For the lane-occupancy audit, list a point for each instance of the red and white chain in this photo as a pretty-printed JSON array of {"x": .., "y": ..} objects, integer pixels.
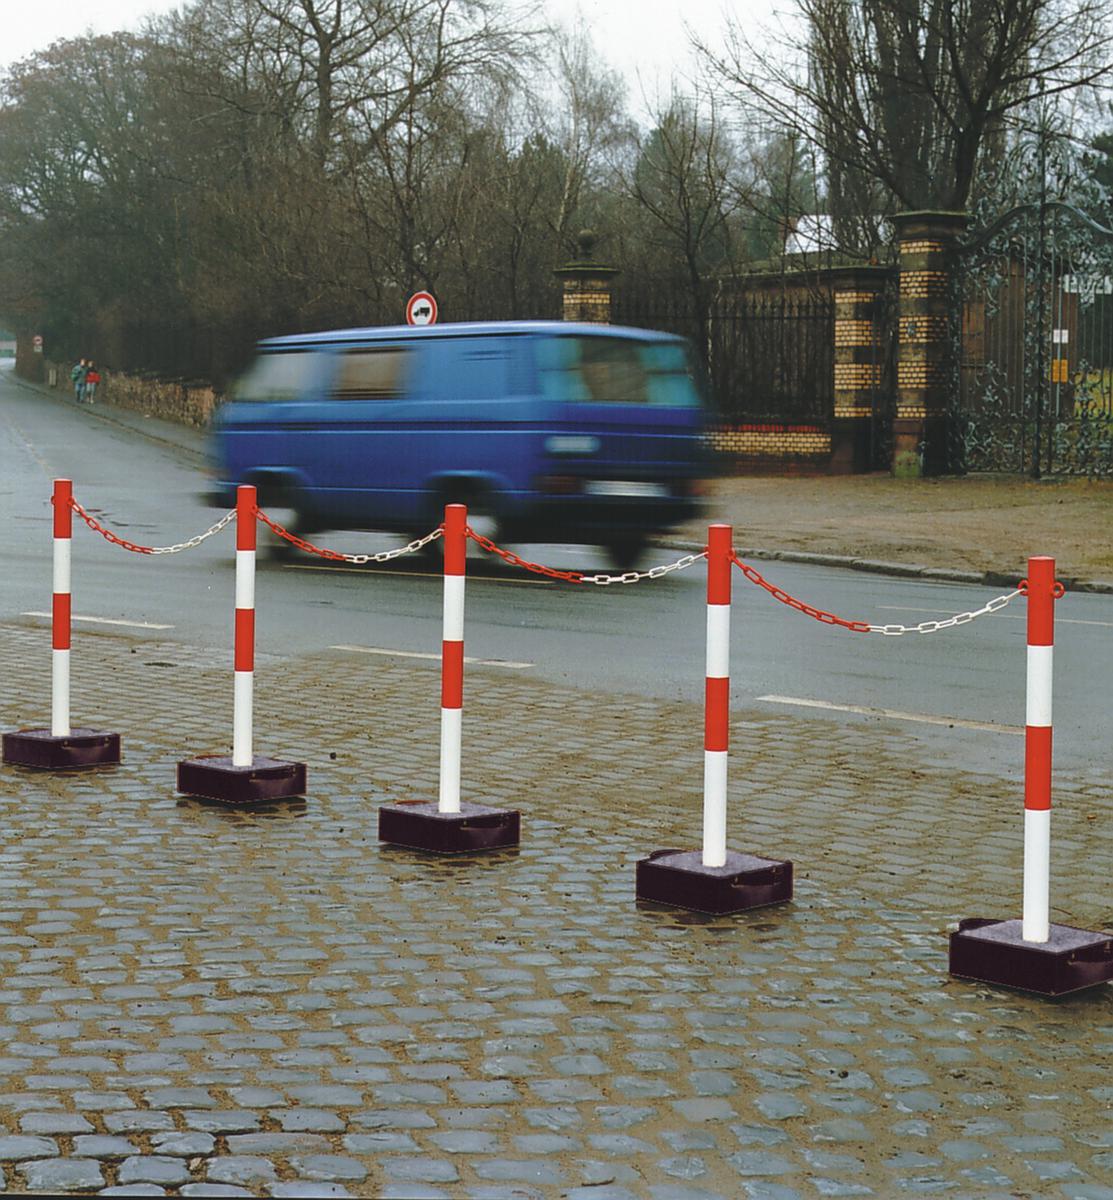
[
  {"x": 993, "y": 606},
  {"x": 116, "y": 540},
  {"x": 516, "y": 560},
  {"x": 652, "y": 573},
  {"x": 336, "y": 556},
  {"x": 827, "y": 618}
]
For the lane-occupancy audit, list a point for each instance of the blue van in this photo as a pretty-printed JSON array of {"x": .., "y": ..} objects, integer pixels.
[{"x": 548, "y": 431}]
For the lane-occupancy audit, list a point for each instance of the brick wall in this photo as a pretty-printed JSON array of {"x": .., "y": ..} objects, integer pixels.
[{"x": 773, "y": 444}]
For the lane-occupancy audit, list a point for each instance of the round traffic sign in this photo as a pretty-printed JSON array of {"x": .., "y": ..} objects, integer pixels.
[
  {"x": 37, "y": 340},
  {"x": 421, "y": 309}
]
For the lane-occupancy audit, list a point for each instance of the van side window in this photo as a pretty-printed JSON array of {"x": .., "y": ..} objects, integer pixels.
[
  {"x": 615, "y": 370},
  {"x": 371, "y": 374},
  {"x": 278, "y": 375}
]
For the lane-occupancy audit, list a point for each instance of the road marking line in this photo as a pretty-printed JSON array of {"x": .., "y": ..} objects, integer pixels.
[
  {"x": 894, "y": 714},
  {"x": 1006, "y": 616},
  {"x": 479, "y": 662},
  {"x": 408, "y": 574},
  {"x": 105, "y": 621}
]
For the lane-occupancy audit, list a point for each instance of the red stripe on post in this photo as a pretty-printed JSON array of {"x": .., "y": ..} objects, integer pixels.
[
  {"x": 720, "y": 546},
  {"x": 1041, "y": 601},
  {"x": 716, "y": 714},
  {"x": 455, "y": 538},
  {"x": 245, "y": 517},
  {"x": 60, "y": 621},
  {"x": 1037, "y": 766},
  {"x": 63, "y": 508},
  {"x": 452, "y": 675},
  {"x": 244, "y": 657}
]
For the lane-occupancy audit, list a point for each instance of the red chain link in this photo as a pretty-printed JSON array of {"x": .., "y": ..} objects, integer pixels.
[
  {"x": 294, "y": 540},
  {"x": 97, "y": 527},
  {"x": 515, "y": 561},
  {"x": 779, "y": 594}
]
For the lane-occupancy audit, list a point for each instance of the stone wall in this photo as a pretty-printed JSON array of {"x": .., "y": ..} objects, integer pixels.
[{"x": 188, "y": 404}]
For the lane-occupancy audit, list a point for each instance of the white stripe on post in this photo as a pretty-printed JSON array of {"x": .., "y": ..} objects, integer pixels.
[
  {"x": 1036, "y": 926},
  {"x": 60, "y": 693},
  {"x": 1040, "y": 663},
  {"x": 714, "y": 808},
  {"x": 452, "y": 737}
]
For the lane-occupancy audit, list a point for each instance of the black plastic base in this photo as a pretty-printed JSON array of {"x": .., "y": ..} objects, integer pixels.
[
  {"x": 215, "y": 778},
  {"x": 678, "y": 877},
  {"x": 77, "y": 749},
  {"x": 995, "y": 952},
  {"x": 421, "y": 826}
]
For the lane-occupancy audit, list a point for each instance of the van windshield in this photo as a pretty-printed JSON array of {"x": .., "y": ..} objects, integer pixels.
[
  {"x": 276, "y": 376},
  {"x": 616, "y": 370}
]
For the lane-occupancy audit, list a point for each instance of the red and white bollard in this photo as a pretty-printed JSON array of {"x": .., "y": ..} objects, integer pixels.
[
  {"x": 60, "y": 610},
  {"x": 243, "y": 778},
  {"x": 451, "y": 826},
  {"x": 1032, "y": 954},
  {"x": 61, "y": 746},
  {"x": 243, "y": 654},
  {"x": 1037, "y": 750},
  {"x": 715, "y": 880},
  {"x": 716, "y": 720}
]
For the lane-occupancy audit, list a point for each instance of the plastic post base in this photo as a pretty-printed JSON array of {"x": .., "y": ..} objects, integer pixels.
[
  {"x": 46, "y": 751},
  {"x": 215, "y": 778},
  {"x": 421, "y": 826},
  {"x": 995, "y": 952},
  {"x": 679, "y": 878}
]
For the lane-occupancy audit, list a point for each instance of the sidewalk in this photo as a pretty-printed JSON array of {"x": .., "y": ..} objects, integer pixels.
[
  {"x": 274, "y": 1003},
  {"x": 979, "y": 529}
]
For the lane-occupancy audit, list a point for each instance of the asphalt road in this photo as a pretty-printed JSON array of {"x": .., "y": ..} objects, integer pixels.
[{"x": 960, "y": 691}]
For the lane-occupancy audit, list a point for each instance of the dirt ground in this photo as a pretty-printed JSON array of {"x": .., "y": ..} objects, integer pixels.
[{"x": 977, "y": 523}]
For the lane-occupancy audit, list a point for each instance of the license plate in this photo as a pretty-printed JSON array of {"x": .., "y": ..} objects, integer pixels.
[{"x": 624, "y": 487}]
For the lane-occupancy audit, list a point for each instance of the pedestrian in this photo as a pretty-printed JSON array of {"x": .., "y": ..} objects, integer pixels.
[
  {"x": 77, "y": 376},
  {"x": 92, "y": 378}
]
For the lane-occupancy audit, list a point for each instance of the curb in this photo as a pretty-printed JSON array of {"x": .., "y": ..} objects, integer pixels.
[{"x": 898, "y": 570}]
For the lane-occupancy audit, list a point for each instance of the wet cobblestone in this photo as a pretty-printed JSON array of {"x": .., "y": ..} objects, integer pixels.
[{"x": 202, "y": 1002}]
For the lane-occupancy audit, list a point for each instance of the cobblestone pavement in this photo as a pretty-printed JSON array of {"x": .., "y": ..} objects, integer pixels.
[{"x": 204, "y": 1002}]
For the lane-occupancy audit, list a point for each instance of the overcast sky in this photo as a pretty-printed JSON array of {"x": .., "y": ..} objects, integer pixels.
[{"x": 645, "y": 39}]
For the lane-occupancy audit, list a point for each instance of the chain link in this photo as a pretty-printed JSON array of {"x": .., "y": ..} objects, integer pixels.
[
  {"x": 780, "y": 594},
  {"x": 965, "y": 618},
  {"x": 335, "y": 556},
  {"x": 652, "y": 573},
  {"x": 108, "y": 535},
  {"x": 827, "y": 618},
  {"x": 516, "y": 560}
]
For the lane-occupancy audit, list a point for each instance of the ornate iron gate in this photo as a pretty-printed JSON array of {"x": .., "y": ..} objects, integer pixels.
[{"x": 1035, "y": 386}]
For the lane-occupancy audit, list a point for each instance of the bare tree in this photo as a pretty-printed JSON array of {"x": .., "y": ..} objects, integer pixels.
[{"x": 904, "y": 98}]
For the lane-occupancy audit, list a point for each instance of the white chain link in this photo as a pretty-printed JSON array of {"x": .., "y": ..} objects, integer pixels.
[
  {"x": 652, "y": 573},
  {"x": 948, "y": 622},
  {"x": 196, "y": 541},
  {"x": 387, "y": 555}
]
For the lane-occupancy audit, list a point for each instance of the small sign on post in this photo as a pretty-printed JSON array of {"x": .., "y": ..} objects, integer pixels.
[
  {"x": 37, "y": 343},
  {"x": 421, "y": 309}
]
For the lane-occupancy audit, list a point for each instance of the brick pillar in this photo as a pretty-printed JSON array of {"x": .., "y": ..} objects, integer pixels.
[
  {"x": 587, "y": 285},
  {"x": 859, "y": 360},
  {"x": 927, "y": 242}
]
